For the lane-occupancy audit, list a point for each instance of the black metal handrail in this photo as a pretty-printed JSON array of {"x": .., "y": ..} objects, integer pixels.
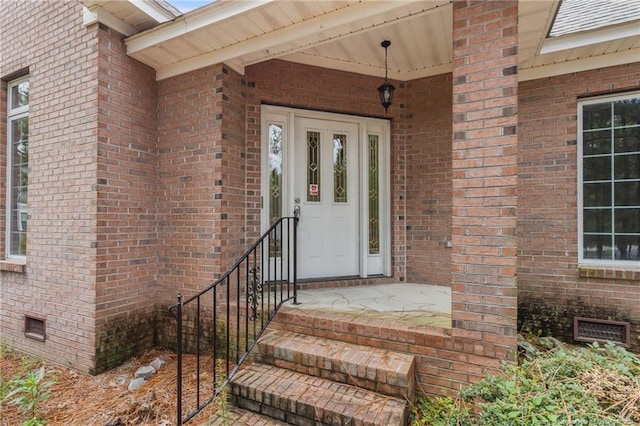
[{"x": 268, "y": 271}]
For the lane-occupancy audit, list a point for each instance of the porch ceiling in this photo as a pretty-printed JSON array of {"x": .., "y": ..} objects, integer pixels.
[{"x": 346, "y": 35}]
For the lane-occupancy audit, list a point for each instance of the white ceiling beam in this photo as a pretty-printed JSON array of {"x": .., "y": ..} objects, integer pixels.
[
  {"x": 336, "y": 64},
  {"x": 302, "y": 58},
  {"x": 586, "y": 38},
  {"x": 267, "y": 41},
  {"x": 153, "y": 10},
  {"x": 98, "y": 14},
  {"x": 192, "y": 21}
]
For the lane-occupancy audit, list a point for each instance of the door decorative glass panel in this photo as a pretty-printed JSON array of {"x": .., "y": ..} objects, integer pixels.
[
  {"x": 340, "y": 168},
  {"x": 313, "y": 166},
  {"x": 374, "y": 196},
  {"x": 275, "y": 184}
]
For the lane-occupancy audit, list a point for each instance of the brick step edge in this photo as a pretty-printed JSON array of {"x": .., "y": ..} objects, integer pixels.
[
  {"x": 304, "y": 400},
  {"x": 380, "y": 370},
  {"x": 239, "y": 417}
]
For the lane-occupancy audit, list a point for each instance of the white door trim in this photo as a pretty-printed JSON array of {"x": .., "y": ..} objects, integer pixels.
[{"x": 378, "y": 264}]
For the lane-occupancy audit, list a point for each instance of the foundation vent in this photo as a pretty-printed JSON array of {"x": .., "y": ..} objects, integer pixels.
[
  {"x": 599, "y": 330},
  {"x": 34, "y": 328}
]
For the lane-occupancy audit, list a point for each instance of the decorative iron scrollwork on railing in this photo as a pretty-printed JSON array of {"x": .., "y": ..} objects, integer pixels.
[{"x": 254, "y": 292}]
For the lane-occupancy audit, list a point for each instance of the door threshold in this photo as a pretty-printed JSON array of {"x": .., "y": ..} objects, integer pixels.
[{"x": 345, "y": 281}]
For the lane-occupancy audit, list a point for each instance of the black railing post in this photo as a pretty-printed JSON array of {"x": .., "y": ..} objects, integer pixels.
[
  {"x": 227, "y": 334},
  {"x": 179, "y": 361},
  {"x": 295, "y": 260},
  {"x": 250, "y": 291},
  {"x": 215, "y": 340},
  {"x": 198, "y": 352}
]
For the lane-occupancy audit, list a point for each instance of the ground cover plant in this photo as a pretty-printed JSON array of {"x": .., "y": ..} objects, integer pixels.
[
  {"x": 53, "y": 395},
  {"x": 28, "y": 393},
  {"x": 573, "y": 386}
]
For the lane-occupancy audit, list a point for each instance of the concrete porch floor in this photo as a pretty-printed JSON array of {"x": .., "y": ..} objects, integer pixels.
[{"x": 416, "y": 304}]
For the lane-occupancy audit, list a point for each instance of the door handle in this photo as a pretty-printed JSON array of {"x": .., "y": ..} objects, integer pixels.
[{"x": 296, "y": 209}]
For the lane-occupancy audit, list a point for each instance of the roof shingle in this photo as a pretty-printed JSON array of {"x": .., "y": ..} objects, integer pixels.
[{"x": 583, "y": 15}]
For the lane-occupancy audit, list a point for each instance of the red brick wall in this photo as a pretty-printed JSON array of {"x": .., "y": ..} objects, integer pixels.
[
  {"x": 62, "y": 57},
  {"x": 485, "y": 172},
  {"x": 550, "y": 290},
  {"x": 233, "y": 203},
  {"x": 202, "y": 179},
  {"x": 190, "y": 181},
  {"x": 127, "y": 182},
  {"x": 428, "y": 180},
  {"x": 91, "y": 259}
]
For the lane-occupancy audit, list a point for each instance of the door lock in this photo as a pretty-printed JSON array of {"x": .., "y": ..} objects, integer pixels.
[{"x": 296, "y": 208}]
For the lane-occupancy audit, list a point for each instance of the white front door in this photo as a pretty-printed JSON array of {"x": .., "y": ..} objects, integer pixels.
[
  {"x": 326, "y": 188},
  {"x": 336, "y": 168}
]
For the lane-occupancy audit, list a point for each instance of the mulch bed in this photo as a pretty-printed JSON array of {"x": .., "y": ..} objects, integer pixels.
[{"x": 104, "y": 399}]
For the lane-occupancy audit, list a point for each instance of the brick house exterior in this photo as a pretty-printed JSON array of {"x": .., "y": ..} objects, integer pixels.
[{"x": 142, "y": 186}]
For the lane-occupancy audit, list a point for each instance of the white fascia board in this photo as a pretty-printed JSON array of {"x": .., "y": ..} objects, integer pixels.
[
  {"x": 572, "y": 41},
  {"x": 191, "y": 21},
  {"x": 579, "y": 65},
  {"x": 301, "y": 29},
  {"x": 153, "y": 10},
  {"x": 98, "y": 14}
]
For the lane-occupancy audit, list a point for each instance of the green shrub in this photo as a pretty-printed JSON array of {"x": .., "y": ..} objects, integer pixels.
[{"x": 599, "y": 385}]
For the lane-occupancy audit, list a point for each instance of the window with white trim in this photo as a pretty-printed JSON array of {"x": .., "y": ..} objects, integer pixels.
[
  {"x": 609, "y": 179},
  {"x": 17, "y": 167}
]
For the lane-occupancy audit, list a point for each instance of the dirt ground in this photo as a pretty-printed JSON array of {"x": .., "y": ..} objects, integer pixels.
[{"x": 104, "y": 399}]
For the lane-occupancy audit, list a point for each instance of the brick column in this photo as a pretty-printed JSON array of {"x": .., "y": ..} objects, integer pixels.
[
  {"x": 202, "y": 177},
  {"x": 485, "y": 171}
]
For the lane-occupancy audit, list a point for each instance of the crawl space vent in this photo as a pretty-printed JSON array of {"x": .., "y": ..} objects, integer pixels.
[
  {"x": 599, "y": 330},
  {"x": 34, "y": 328}
]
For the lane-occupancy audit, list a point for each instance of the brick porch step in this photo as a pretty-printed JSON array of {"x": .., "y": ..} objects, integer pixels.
[
  {"x": 387, "y": 372},
  {"x": 239, "y": 417},
  {"x": 304, "y": 400}
]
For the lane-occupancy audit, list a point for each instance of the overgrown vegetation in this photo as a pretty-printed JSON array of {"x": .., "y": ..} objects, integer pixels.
[
  {"x": 598, "y": 385},
  {"x": 27, "y": 389}
]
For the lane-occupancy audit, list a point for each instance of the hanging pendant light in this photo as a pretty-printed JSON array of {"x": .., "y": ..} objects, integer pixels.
[{"x": 385, "y": 90}]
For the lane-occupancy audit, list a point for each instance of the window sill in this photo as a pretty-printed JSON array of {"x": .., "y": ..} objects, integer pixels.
[
  {"x": 19, "y": 266},
  {"x": 609, "y": 272}
]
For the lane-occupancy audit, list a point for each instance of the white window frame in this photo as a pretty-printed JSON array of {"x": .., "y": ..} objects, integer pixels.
[
  {"x": 581, "y": 259},
  {"x": 13, "y": 114}
]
